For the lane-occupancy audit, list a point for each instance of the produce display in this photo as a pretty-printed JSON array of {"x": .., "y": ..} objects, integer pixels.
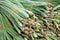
[{"x": 29, "y": 20}]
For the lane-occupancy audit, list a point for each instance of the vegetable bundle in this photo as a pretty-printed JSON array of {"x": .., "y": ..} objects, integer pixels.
[{"x": 29, "y": 20}]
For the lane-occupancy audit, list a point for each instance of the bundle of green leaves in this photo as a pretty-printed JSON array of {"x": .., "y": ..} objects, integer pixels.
[{"x": 29, "y": 20}]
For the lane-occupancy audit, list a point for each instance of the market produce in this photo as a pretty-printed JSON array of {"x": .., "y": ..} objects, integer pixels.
[{"x": 29, "y": 20}]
